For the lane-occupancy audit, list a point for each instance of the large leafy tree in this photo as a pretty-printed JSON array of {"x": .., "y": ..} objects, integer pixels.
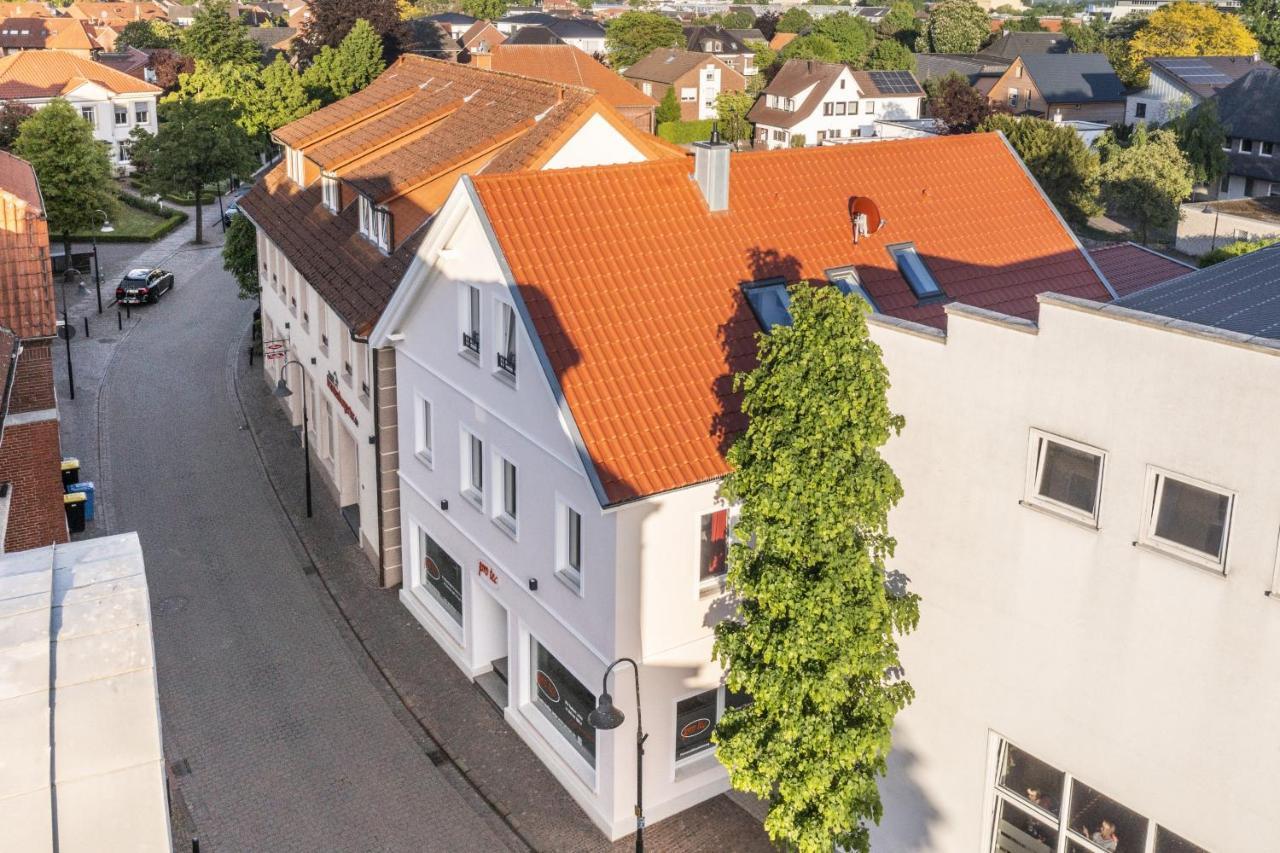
[
  {"x": 900, "y": 19},
  {"x": 217, "y": 38},
  {"x": 332, "y": 20},
  {"x": 852, "y": 35},
  {"x": 169, "y": 66},
  {"x": 767, "y": 24},
  {"x": 959, "y": 106},
  {"x": 731, "y": 111},
  {"x": 487, "y": 10},
  {"x": 1263, "y": 19},
  {"x": 12, "y": 115},
  {"x": 738, "y": 19},
  {"x": 150, "y": 34},
  {"x": 794, "y": 20},
  {"x": 815, "y": 639},
  {"x": 199, "y": 142},
  {"x": 73, "y": 168},
  {"x": 263, "y": 99},
  {"x": 891, "y": 55},
  {"x": 337, "y": 72},
  {"x": 1064, "y": 167},
  {"x": 1202, "y": 137},
  {"x": 810, "y": 47},
  {"x": 954, "y": 26},
  {"x": 632, "y": 36},
  {"x": 240, "y": 256},
  {"x": 1189, "y": 29},
  {"x": 1147, "y": 179}
]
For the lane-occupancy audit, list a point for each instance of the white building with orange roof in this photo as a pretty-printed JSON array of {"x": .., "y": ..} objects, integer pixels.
[
  {"x": 112, "y": 102},
  {"x": 69, "y": 35},
  {"x": 564, "y": 349}
]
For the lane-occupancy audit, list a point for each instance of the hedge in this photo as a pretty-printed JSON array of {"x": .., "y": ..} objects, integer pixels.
[
  {"x": 684, "y": 132},
  {"x": 1235, "y": 250}
]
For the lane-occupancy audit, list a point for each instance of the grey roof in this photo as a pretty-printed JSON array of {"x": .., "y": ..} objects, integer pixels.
[
  {"x": 971, "y": 67},
  {"x": 576, "y": 28},
  {"x": 450, "y": 18},
  {"x": 1250, "y": 107},
  {"x": 1074, "y": 78},
  {"x": 528, "y": 18},
  {"x": 1205, "y": 75},
  {"x": 536, "y": 34},
  {"x": 1010, "y": 45},
  {"x": 745, "y": 36},
  {"x": 697, "y": 38},
  {"x": 1240, "y": 295},
  {"x": 268, "y": 36}
]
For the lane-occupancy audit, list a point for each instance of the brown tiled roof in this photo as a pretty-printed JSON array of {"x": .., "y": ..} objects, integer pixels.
[
  {"x": 394, "y": 86},
  {"x": 567, "y": 64},
  {"x": 482, "y": 31},
  {"x": 1130, "y": 267},
  {"x": 667, "y": 65},
  {"x": 46, "y": 33},
  {"x": 26, "y": 283},
  {"x": 49, "y": 73},
  {"x": 122, "y": 12}
]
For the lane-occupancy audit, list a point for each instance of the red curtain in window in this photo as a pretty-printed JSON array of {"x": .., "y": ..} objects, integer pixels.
[{"x": 719, "y": 532}]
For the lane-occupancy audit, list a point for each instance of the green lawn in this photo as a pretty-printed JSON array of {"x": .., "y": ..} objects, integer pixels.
[{"x": 130, "y": 224}]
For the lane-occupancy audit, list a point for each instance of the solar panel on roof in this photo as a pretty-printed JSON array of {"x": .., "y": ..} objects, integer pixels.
[{"x": 894, "y": 82}]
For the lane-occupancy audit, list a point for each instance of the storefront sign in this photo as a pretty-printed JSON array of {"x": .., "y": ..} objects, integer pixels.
[
  {"x": 488, "y": 574},
  {"x": 564, "y": 701},
  {"x": 442, "y": 577},
  {"x": 332, "y": 381},
  {"x": 273, "y": 349}
]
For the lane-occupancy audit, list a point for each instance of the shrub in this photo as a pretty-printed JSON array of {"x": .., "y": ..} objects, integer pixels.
[
  {"x": 1235, "y": 250},
  {"x": 684, "y": 132}
]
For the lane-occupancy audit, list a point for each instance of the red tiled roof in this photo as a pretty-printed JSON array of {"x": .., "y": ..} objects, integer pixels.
[
  {"x": 1130, "y": 267},
  {"x": 26, "y": 283},
  {"x": 634, "y": 290},
  {"x": 49, "y": 73},
  {"x": 562, "y": 63},
  {"x": 30, "y": 33}
]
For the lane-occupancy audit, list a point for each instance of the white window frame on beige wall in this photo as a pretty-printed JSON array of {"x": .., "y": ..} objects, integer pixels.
[
  {"x": 330, "y": 190},
  {"x": 1036, "y": 457},
  {"x": 472, "y": 449},
  {"x": 1157, "y": 480},
  {"x": 366, "y": 216},
  {"x": 423, "y": 429}
]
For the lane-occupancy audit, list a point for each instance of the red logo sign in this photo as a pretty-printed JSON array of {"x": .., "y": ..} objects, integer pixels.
[
  {"x": 433, "y": 571},
  {"x": 547, "y": 687},
  {"x": 488, "y": 574},
  {"x": 332, "y": 382},
  {"x": 273, "y": 349},
  {"x": 694, "y": 728}
]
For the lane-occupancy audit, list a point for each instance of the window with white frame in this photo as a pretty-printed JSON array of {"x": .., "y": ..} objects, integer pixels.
[
  {"x": 689, "y": 93},
  {"x": 713, "y": 548},
  {"x": 362, "y": 368},
  {"x": 1188, "y": 518},
  {"x": 696, "y": 718},
  {"x": 1041, "y": 809},
  {"x": 382, "y": 228},
  {"x": 1064, "y": 476},
  {"x": 366, "y": 216},
  {"x": 506, "y": 339},
  {"x": 853, "y": 108},
  {"x": 293, "y": 165},
  {"x": 346, "y": 357},
  {"x": 1246, "y": 146},
  {"x": 1267, "y": 149},
  {"x": 324, "y": 327},
  {"x": 1013, "y": 98},
  {"x": 473, "y": 468},
  {"x": 871, "y": 107},
  {"x": 646, "y": 87},
  {"x": 564, "y": 701},
  {"x": 441, "y": 576},
  {"x": 90, "y": 115},
  {"x": 141, "y": 112},
  {"x": 122, "y": 114},
  {"x": 422, "y": 431},
  {"x": 330, "y": 189},
  {"x": 507, "y": 506},
  {"x": 569, "y": 546},
  {"x": 306, "y": 306}
]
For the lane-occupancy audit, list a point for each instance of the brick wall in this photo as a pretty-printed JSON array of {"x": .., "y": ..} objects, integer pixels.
[
  {"x": 33, "y": 384},
  {"x": 29, "y": 459}
]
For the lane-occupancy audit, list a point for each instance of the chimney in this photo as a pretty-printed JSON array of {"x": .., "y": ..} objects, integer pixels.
[
  {"x": 711, "y": 170},
  {"x": 482, "y": 60}
]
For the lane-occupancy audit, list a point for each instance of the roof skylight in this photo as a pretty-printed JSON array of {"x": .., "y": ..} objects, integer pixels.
[{"x": 915, "y": 271}]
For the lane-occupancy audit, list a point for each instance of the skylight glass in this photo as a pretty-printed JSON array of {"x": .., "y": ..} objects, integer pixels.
[
  {"x": 914, "y": 270},
  {"x": 847, "y": 282},
  {"x": 771, "y": 304}
]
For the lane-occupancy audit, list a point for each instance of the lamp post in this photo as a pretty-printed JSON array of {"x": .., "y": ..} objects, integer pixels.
[
  {"x": 282, "y": 390},
  {"x": 607, "y": 716},
  {"x": 66, "y": 332},
  {"x": 1213, "y": 244},
  {"x": 97, "y": 271}
]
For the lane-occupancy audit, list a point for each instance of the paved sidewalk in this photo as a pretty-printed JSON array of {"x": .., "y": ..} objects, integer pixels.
[{"x": 469, "y": 731}]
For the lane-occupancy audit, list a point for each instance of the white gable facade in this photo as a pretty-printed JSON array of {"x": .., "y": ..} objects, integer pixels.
[{"x": 844, "y": 114}]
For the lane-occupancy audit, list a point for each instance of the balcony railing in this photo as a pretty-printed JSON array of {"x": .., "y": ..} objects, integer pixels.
[
  {"x": 471, "y": 341},
  {"x": 507, "y": 363}
]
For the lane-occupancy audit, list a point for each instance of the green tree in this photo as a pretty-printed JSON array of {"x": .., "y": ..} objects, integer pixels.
[
  {"x": 1027, "y": 23},
  {"x": 738, "y": 19},
  {"x": 632, "y": 36},
  {"x": 1086, "y": 37},
  {"x": 901, "y": 18},
  {"x": 149, "y": 34},
  {"x": 731, "y": 111},
  {"x": 332, "y": 20},
  {"x": 798, "y": 140},
  {"x": 1189, "y": 29},
  {"x": 12, "y": 115},
  {"x": 217, "y": 38},
  {"x": 959, "y": 106},
  {"x": 283, "y": 96},
  {"x": 852, "y": 35},
  {"x": 1062, "y": 164},
  {"x": 335, "y": 73},
  {"x": 668, "y": 107},
  {"x": 1263, "y": 19},
  {"x": 199, "y": 142},
  {"x": 815, "y": 641},
  {"x": 240, "y": 255},
  {"x": 1235, "y": 250},
  {"x": 810, "y": 47},
  {"x": 73, "y": 168},
  {"x": 954, "y": 26},
  {"x": 485, "y": 10},
  {"x": 767, "y": 24},
  {"x": 1202, "y": 137},
  {"x": 1147, "y": 179},
  {"x": 794, "y": 20},
  {"x": 891, "y": 55}
]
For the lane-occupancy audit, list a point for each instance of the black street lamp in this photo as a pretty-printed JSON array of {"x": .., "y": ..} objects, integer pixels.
[
  {"x": 1211, "y": 209},
  {"x": 97, "y": 271},
  {"x": 282, "y": 390},
  {"x": 66, "y": 331},
  {"x": 608, "y": 716}
]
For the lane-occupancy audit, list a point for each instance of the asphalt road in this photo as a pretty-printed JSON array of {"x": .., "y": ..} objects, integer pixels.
[{"x": 279, "y": 737}]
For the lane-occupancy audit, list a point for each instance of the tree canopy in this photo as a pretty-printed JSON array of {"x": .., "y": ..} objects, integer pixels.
[
  {"x": 851, "y": 34},
  {"x": 814, "y": 642},
  {"x": 12, "y": 115},
  {"x": 1202, "y": 137},
  {"x": 486, "y": 10},
  {"x": 332, "y": 20},
  {"x": 337, "y": 72},
  {"x": 767, "y": 24},
  {"x": 149, "y": 34},
  {"x": 901, "y": 18},
  {"x": 1235, "y": 250},
  {"x": 263, "y": 100},
  {"x": 73, "y": 168},
  {"x": 738, "y": 19},
  {"x": 810, "y": 47},
  {"x": 1263, "y": 19},
  {"x": 794, "y": 20},
  {"x": 632, "y": 36},
  {"x": 217, "y": 38},
  {"x": 1062, "y": 164},
  {"x": 954, "y": 26},
  {"x": 240, "y": 256},
  {"x": 1189, "y": 29},
  {"x": 668, "y": 108},
  {"x": 891, "y": 55},
  {"x": 959, "y": 106},
  {"x": 731, "y": 111},
  {"x": 1145, "y": 180}
]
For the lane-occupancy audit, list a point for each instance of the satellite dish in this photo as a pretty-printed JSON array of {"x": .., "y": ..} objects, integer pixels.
[{"x": 865, "y": 215}]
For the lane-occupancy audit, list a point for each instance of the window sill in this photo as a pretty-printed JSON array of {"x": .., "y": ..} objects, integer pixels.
[
  {"x": 569, "y": 579},
  {"x": 711, "y": 588},
  {"x": 363, "y": 399},
  {"x": 424, "y": 457},
  {"x": 696, "y": 765},
  {"x": 505, "y": 378},
  {"x": 1060, "y": 515},
  {"x": 470, "y": 356},
  {"x": 324, "y": 350},
  {"x": 1211, "y": 567},
  {"x": 473, "y": 499},
  {"x": 507, "y": 525},
  {"x": 346, "y": 378}
]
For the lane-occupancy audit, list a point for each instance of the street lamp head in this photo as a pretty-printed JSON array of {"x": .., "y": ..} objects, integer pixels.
[
  {"x": 282, "y": 389},
  {"x": 106, "y": 228},
  {"x": 606, "y": 715}
]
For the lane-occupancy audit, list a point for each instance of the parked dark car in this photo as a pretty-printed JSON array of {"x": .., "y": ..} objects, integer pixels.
[
  {"x": 143, "y": 285},
  {"x": 233, "y": 205}
]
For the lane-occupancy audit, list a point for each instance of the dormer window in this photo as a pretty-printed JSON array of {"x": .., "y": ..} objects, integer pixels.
[
  {"x": 331, "y": 189},
  {"x": 293, "y": 165},
  {"x": 915, "y": 271},
  {"x": 375, "y": 223}
]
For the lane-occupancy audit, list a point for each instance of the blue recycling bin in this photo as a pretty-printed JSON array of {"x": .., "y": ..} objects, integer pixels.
[{"x": 86, "y": 488}]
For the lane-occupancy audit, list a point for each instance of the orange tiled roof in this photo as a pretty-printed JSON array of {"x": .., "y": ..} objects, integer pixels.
[
  {"x": 563, "y": 63},
  {"x": 781, "y": 40},
  {"x": 49, "y": 73},
  {"x": 633, "y": 286},
  {"x": 26, "y": 283},
  {"x": 26, "y": 10},
  {"x": 1130, "y": 267},
  {"x": 122, "y": 12},
  {"x": 27, "y": 33}
]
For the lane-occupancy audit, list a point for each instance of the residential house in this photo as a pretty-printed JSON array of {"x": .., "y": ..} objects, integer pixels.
[
  {"x": 1180, "y": 83},
  {"x": 873, "y": 15},
  {"x": 27, "y": 10},
  {"x": 69, "y": 35},
  {"x": 1249, "y": 110},
  {"x": 1101, "y": 598},
  {"x": 748, "y": 35},
  {"x": 698, "y": 79},
  {"x": 456, "y": 22},
  {"x": 980, "y": 71},
  {"x": 1008, "y": 45},
  {"x": 1205, "y": 226},
  {"x": 827, "y": 102},
  {"x": 31, "y": 509},
  {"x": 722, "y": 44},
  {"x": 480, "y": 37},
  {"x": 118, "y": 13},
  {"x": 339, "y": 221},
  {"x": 534, "y": 36},
  {"x": 1081, "y": 86},
  {"x": 272, "y": 40},
  {"x": 1114, "y": 10},
  {"x": 433, "y": 38},
  {"x": 509, "y": 23},
  {"x": 131, "y": 61},
  {"x": 559, "y": 482},
  {"x": 1130, "y": 267},
  {"x": 565, "y": 64},
  {"x": 586, "y": 34},
  {"x": 112, "y": 102}
]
